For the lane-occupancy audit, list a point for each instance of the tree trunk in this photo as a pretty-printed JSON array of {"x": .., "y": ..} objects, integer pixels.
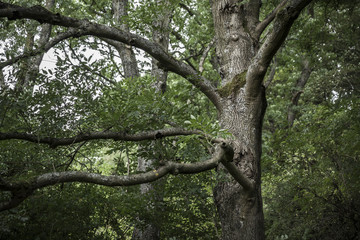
[
  {"x": 240, "y": 210},
  {"x": 160, "y": 35},
  {"x": 126, "y": 53},
  {"x": 30, "y": 67},
  {"x": 300, "y": 84}
]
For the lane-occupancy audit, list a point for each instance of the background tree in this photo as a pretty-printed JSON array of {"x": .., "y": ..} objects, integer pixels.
[{"x": 309, "y": 169}]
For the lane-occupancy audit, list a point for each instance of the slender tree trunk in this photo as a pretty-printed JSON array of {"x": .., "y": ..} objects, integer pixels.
[
  {"x": 30, "y": 67},
  {"x": 151, "y": 231},
  {"x": 126, "y": 53},
  {"x": 299, "y": 86}
]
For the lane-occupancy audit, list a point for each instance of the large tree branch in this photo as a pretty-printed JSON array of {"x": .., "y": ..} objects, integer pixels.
[
  {"x": 117, "y": 136},
  {"x": 284, "y": 19},
  {"x": 21, "y": 190},
  {"x": 40, "y": 14}
]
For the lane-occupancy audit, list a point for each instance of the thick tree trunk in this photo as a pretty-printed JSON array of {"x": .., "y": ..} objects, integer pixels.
[{"x": 240, "y": 210}]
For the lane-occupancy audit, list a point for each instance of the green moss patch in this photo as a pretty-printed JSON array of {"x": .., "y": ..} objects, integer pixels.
[{"x": 234, "y": 85}]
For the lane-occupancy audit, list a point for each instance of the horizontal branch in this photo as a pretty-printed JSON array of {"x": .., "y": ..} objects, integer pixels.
[
  {"x": 168, "y": 62},
  {"x": 21, "y": 190},
  {"x": 116, "y": 136},
  {"x": 62, "y": 36}
]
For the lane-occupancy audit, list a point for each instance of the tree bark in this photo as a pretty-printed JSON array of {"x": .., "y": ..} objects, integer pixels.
[
  {"x": 239, "y": 208},
  {"x": 127, "y": 55},
  {"x": 243, "y": 64}
]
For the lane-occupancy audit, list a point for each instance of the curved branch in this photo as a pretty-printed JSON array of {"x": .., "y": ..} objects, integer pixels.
[
  {"x": 62, "y": 36},
  {"x": 21, "y": 190},
  {"x": 271, "y": 74},
  {"x": 190, "y": 11},
  {"x": 244, "y": 181},
  {"x": 168, "y": 62},
  {"x": 284, "y": 19},
  {"x": 13, "y": 202},
  {"x": 116, "y": 136}
]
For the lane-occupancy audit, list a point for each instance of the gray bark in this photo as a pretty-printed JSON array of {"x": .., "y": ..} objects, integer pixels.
[
  {"x": 126, "y": 52},
  {"x": 2, "y": 80},
  {"x": 243, "y": 64},
  {"x": 239, "y": 207}
]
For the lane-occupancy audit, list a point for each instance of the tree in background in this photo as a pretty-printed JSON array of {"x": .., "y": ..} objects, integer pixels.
[
  {"x": 82, "y": 104},
  {"x": 311, "y": 162}
]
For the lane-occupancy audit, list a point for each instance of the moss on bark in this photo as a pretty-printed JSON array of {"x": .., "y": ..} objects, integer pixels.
[{"x": 234, "y": 85}]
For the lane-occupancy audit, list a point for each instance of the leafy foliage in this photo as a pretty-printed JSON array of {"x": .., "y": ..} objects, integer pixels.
[{"x": 310, "y": 182}]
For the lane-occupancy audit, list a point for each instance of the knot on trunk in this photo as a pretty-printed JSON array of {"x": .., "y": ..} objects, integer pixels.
[{"x": 229, "y": 152}]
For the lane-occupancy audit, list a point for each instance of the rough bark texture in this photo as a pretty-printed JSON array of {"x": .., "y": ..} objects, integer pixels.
[
  {"x": 235, "y": 45},
  {"x": 243, "y": 63},
  {"x": 240, "y": 209}
]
